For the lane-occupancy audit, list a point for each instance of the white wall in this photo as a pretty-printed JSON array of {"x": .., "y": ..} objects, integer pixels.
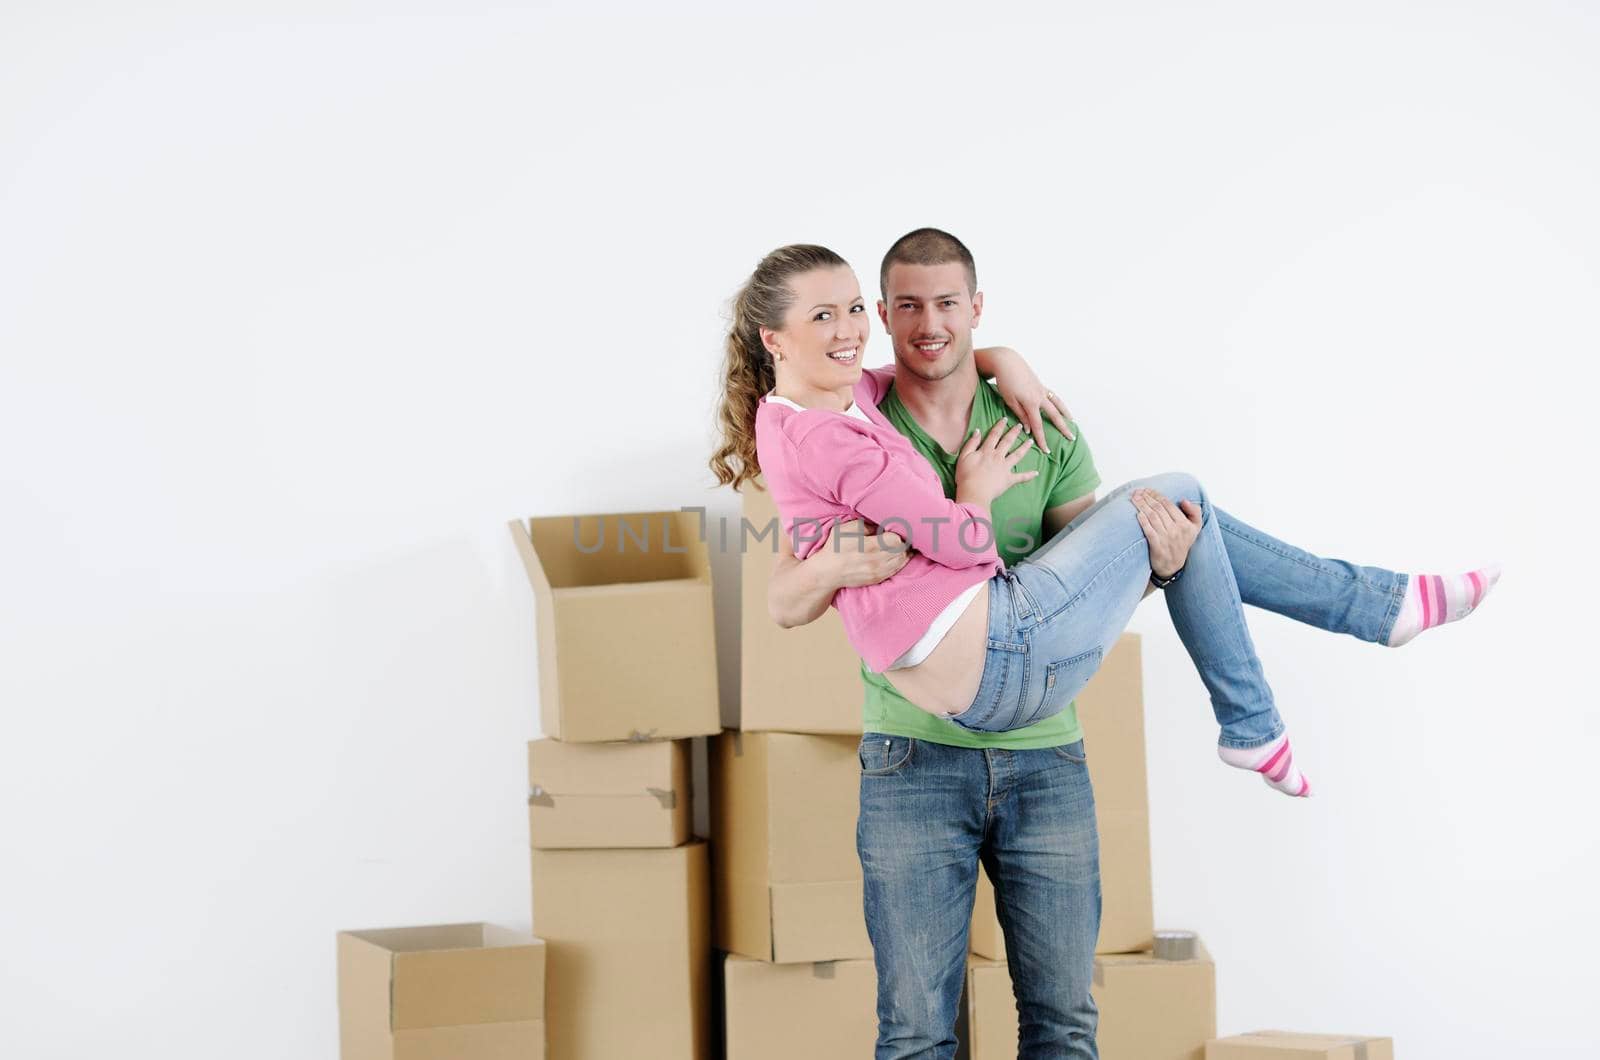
[{"x": 300, "y": 302}]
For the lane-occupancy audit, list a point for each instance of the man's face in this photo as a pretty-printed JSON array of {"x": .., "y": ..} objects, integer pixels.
[{"x": 929, "y": 313}]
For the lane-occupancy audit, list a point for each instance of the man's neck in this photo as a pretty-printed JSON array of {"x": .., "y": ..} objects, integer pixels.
[{"x": 941, "y": 407}]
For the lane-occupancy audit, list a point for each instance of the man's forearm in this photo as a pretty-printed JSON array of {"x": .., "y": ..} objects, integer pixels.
[{"x": 795, "y": 595}]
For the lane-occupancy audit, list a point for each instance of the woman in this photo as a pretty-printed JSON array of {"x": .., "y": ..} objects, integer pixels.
[{"x": 956, "y": 633}]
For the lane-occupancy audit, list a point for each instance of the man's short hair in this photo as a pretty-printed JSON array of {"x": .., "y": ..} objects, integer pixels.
[{"x": 928, "y": 246}]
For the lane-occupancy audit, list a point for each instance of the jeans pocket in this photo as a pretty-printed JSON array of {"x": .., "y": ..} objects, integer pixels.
[
  {"x": 882, "y": 755},
  {"x": 1063, "y": 680},
  {"x": 1073, "y": 752}
]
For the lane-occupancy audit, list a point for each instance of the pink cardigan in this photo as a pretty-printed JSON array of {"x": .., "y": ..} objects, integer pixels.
[{"x": 825, "y": 467}]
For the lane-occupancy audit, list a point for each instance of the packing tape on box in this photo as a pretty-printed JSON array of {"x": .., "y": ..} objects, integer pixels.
[
  {"x": 642, "y": 737},
  {"x": 668, "y": 799},
  {"x": 1176, "y": 945},
  {"x": 1099, "y": 973},
  {"x": 823, "y": 969}
]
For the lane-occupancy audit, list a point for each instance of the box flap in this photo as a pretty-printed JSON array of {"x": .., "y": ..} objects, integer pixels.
[
  {"x": 544, "y": 627},
  {"x": 621, "y": 548},
  {"x": 363, "y": 996}
]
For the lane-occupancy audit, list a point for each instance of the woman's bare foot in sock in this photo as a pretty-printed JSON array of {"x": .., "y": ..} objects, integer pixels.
[
  {"x": 1274, "y": 761},
  {"x": 1434, "y": 599}
]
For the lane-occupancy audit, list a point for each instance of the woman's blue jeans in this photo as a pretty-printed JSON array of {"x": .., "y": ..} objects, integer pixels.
[{"x": 1055, "y": 615}]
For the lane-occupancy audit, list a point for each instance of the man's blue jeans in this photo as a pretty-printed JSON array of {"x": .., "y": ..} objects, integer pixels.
[{"x": 931, "y": 812}]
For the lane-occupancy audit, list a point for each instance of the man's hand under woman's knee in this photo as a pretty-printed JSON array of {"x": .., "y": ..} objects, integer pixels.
[
  {"x": 851, "y": 554},
  {"x": 1169, "y": 530}
]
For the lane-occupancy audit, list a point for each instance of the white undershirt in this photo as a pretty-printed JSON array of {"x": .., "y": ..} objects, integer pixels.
[{"x": 944, "y": 620}]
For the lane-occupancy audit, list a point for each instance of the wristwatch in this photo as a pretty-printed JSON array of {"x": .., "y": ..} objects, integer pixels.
[{"x": 1161, "y": 583}]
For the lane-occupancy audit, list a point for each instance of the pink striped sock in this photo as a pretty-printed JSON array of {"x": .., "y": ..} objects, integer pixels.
[
  {"x": 1434, "y": 599},
  {"x": 1274, "y": 761}
]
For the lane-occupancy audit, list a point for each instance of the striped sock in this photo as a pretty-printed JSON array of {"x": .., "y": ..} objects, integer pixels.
[
  {"x": 1274, "y": 761},
  {"x": 1434, "y": 599}
]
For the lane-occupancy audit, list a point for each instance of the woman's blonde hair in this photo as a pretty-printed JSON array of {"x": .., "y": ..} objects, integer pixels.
[{"x": 747, "y": 368}]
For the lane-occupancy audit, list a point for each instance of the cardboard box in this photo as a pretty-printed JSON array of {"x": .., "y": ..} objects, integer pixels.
[
  {"x": 441, "y": 992},
  {"x": 1111, "y": 710},
  {"x": 806, "y": 679},
  {"x": 783, "y": 819},
  {"x": 608, "y": 794},
  {"x": 1287, "y": 1045},
  {"x": 626, "y": 644},
  {"x": 1149, "y": 1009},
  {"x": 800, "y": 1011},
  {"x": 629, "y": 940}
]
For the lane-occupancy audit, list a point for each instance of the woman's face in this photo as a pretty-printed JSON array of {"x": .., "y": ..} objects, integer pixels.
[{"x": 824, "y": 332}]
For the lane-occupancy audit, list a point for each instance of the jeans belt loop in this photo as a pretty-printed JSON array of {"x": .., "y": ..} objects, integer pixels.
[
  {"x": 1019, "y": 607},
  {"x": 1024, "y": 605}
]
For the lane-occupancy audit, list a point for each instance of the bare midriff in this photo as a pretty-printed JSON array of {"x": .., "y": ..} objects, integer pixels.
[{"x": 946, "y": 682}]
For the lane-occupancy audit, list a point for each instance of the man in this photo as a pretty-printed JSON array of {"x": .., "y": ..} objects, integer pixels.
[{"x": 936, "y": 798}]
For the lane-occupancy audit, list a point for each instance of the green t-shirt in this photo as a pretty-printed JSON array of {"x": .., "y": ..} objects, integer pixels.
[{"x": 1066, "y": 474}]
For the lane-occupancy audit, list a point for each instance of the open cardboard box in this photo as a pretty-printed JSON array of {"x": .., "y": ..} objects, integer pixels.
[
  {"x": 441, "y": 992},
  {"x": 627, "y": 647}
]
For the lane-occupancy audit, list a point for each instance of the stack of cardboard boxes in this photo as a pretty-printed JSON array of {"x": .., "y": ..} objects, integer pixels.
[
  {"x": 628, "y": 902},
  {"x": 623, "y": 891},
  {"x": 621, "y": 887},
  {"x": 798, "y": 974}
]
